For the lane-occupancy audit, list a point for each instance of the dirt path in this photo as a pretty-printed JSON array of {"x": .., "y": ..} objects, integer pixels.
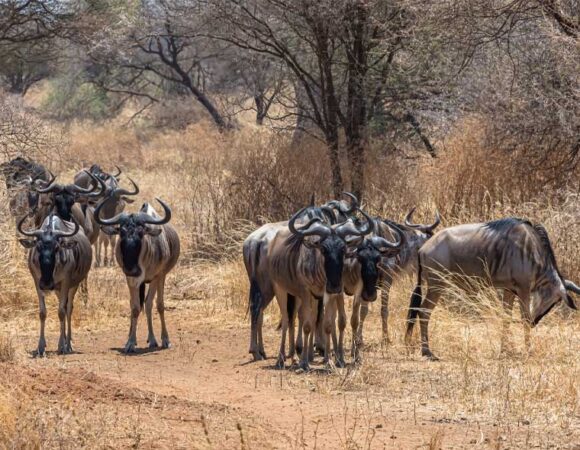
[{"x": 204, "y": 393}]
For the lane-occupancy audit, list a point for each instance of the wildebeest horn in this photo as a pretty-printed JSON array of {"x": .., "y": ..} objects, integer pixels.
[
  {"x": 33, "y": 233},
  {"x": 91, "y": 192},
  {"x": 146, "y": 218},
  {"x": 313, "y": 227},
  {"x": 387, "y": 245},
  {"x": 121, "y": 191},
  {"x": 423, "y": 228},
  {"x": 570, "y": 286},
  {"x": 119, "y": 172},
  {"x": 51, "y": 186},
  {"x": 354, "y": 205},
  {"x": 329, "y": 213},
  {"x": 107, "y": 222},
  {"x": 349, "y": 228}
]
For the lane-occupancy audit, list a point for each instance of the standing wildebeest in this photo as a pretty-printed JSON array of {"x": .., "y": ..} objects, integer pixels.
[
  {"x": 59, "y": 260},
  {"x": 298, "y": 264},
  {"x": 118, "y": 200},
  {"x": 405, "y": 263},
  {"x": 64, "y": 202},
  {"x": 512, "y": 254},
  {"x": 148, "y": 248}
]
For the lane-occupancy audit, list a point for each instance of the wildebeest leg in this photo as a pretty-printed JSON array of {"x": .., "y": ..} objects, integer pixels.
[
  {"x": 385, "y": 288},
  {"x": 308, "y": 318},
  {"x": 135, "y": 311},
  {"x": 427, "y": 307},
  {"x": 341, "y": 328},
  {"x": 364, "y": 310},
  {"x": 299, "y": 337},
  {"x": 507, "y": 303},
  {"x": 319, "y": 337},
  {"x": 97, "y": 246},
  {"x": 42, "y": 316},
  {"x": 112, "y": 241},
  {"x": 293, "y": 303},
  {"x": 260, "y": 298},
  {"x": 149, "y": 313},
  {"x": 329, "y": 319},
  {"x": 62, "y": 304},
  {"x": 282, "y": 298},
  {"x": 355, "y": 324},
  {"x": 161, "y": 310},
  {"x": 69, "y": 309},
  {"x": 84, "y": 290},
  {"x": 524, "y": 302},
  {"x": 106, "y": 249}
]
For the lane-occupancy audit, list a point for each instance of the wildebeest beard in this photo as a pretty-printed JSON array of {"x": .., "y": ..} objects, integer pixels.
[{"x": 47, "y": 248}]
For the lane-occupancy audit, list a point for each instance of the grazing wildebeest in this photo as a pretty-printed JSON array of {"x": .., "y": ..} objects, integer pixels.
[
  {"x": 405, "y": 263},
  {"x": 512, "y": 254},
  {"x": 59, "y": 260},
  {"x": 148, "y": 248},
  {"x": 298, "y": 264}
]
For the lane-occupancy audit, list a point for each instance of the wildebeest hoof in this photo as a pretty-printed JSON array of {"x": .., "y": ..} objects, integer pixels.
[
  {"x": 257, "y": 356},
  {"x": 165, "y": 343},
  {"x": 280, "y": 363},
  {"x": 340, "y": 363},
  {"x": 153, "y": 343},
  {"x": 429, "y": 355},
  {"x": 303, "y": 367},
  {"x": 130, "y": 347}
]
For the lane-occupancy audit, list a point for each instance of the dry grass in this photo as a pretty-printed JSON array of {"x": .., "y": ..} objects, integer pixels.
[{"x": 222, "y": 186}]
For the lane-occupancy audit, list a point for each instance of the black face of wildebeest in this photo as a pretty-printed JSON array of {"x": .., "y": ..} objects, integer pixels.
[
  {"x": 131, "y": 232},
  {"x": 63, "y": 203},
  {"x": 333, "y": 249},
  {"x": 369, "y": 258}
]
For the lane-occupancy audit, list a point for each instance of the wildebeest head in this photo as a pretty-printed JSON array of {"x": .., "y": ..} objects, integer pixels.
[
  {"x": 117, "y": 197},
  {"x": 551, "y": 290},
  {"x": 65, "y": 196},
  {"x": 332, "y": 242},
  {"x": 132, "y": 229},
  {"x": 48, "y": 242},
  {"x": 373, "y": 254}
]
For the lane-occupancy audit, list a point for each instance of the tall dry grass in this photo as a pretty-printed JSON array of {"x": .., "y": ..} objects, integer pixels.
[{"x": 222, "y": 186}]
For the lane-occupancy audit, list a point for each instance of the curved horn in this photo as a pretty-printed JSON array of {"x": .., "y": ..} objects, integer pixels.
[
  {"x": 354, "y": 205},
  {"x": 51, "y": 186},
  {"x": 106, "y": 222},
  {"x": 119, "y": 172},
  {"x": 570, "y": 286},
  {"x": 146, "y": 218},
  {"x": 349, "y": 228},
  {"x": 313, "y": 227},
  {"x": 121, "y": 191},
  {"x": 33, "y": 233},
  {"x": 63, "y": 234},
  {"x": 423, "y": 228},
  {"x": 80, "y": 190},
  {"x": 402, "y": 239},
  {"x": 329, "y": 213}
]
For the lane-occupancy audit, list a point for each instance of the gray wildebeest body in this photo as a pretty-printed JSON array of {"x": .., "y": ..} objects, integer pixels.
[
  {"x": 512, "y": 254},
  {"x": 59, "y": 260},
  {"x": 298, "y": 265},
  {"x": 404, "y": 263},
  {"x": 147, "y": 249}
]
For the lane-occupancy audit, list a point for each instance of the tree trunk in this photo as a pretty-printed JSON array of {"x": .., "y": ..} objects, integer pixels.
[{"x": 336, "y": 173}]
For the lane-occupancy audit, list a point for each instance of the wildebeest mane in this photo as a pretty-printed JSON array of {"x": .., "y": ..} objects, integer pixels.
[
  {"x": 545, "y": 240},
  {"x": 506, "y": 224}
]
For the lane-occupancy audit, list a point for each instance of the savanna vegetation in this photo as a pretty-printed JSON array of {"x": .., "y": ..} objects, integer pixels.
[{"x": 235, "y": 113}]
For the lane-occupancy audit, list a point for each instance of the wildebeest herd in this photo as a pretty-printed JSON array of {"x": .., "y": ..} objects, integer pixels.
[{"x": 308, "y": 263}]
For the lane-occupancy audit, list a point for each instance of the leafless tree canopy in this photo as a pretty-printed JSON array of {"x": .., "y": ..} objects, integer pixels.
[{"x": 346, "y": 72}]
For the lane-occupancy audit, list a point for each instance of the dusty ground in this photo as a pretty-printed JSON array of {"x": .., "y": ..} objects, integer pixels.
[{"x": 204, "y": 393}]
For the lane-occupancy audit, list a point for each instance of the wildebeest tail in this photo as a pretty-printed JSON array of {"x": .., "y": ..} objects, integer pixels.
[
  {"x": 415, "y": 303},
  {"x": 142, "y": 294},
  {"x": 255, "y": 303},
  {"x": 320, "y": 311},
  {"x": 290, "y": 308}
]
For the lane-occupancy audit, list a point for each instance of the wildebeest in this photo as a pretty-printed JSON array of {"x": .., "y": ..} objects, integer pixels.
[
  {"x": 147, "y": 249},
  {"x": 117, "y": 201},
  {"x": 512, "y": 254},
  {"x": 20, "y": 169},
  {"x": 298, "y": 264},
  {"x": 59, "y": 260},
  {"x": 64, "y": 200},
  {"x": 405, "y": 263}
]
